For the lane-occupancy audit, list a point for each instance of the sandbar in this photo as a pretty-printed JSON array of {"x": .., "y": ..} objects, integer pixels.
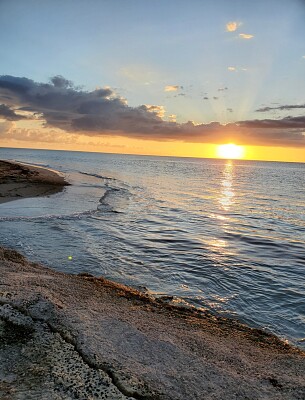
[{"x": 21, "y": 181}]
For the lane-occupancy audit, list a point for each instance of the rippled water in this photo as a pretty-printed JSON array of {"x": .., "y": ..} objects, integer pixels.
[{"x": 223, "y": 235}]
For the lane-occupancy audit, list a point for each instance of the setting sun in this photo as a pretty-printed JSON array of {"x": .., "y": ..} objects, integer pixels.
[{"x": 231, "y": 151}]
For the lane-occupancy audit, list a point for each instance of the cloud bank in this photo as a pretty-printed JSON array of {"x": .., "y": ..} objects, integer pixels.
[{"x": 101, "y": 112}]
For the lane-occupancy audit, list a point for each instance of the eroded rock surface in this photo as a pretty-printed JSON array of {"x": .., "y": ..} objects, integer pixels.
[
  {"x": 68, "y": 337},
  {"x": 37, "y": 363}
]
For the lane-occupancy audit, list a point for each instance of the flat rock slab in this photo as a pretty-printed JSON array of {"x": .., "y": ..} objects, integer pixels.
[{"x": 67, "y": 337}]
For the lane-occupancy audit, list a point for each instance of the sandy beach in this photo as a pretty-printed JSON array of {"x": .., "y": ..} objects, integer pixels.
[
  {"x": 20, "y": 181},
  {"x": 65, "y": 336}
]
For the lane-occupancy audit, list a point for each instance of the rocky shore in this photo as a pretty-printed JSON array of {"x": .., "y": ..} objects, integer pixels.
[{"x": 80, "y": 337}]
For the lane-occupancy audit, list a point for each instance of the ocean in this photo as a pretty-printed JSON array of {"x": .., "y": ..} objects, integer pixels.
[{"x": 219, "y": 235}]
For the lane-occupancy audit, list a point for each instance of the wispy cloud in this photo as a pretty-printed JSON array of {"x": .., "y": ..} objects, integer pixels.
[
  {"x": 282, "y": 108},
  {"x": 232, "y": 26},
  {"x": 246, "y": 36},
  {"x": 171, "y": 88},
  {"x": 100, "y": 113},
  {"x": 235, "y": 69}
]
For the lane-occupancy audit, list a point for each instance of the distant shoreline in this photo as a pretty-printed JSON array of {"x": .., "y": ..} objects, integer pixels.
[{"x": 19, "y": 180}]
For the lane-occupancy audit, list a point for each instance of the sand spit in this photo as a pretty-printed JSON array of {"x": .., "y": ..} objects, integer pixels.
[
  {"x": 19, "y": 181},
  {"x": 79, "y": 337}
]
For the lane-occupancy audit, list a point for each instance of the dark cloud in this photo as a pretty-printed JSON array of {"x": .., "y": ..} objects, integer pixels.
[
  {"x": 284, "y": 123},
  {"x": 282, "y": 108},
  {"x": 7, "y": 113},
  {"x": 60, "y": 82},
  {"x": 205, "y": 98},
  {"x": 102, "y": 113},
  {"x": 215, "y": 98}
]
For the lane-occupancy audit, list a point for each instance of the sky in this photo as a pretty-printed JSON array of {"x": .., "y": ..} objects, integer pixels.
[{"x": 161, "y": 77}]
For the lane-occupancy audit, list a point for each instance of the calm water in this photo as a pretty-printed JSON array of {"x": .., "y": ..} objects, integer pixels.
[{"x": 220, "y": 235}]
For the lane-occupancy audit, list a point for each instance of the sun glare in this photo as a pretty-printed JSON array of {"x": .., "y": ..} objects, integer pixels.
[{"x": 230, "y": 151}]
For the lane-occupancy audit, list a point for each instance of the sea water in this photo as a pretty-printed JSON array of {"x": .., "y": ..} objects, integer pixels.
[{"x": 226, "y": 236}]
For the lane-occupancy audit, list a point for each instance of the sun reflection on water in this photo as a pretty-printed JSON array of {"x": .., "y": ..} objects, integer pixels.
[{"x": 226, "y": 198}]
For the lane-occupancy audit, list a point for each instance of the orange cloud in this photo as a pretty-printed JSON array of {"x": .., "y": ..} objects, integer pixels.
[
  {"x": 232, "y": 26},
  {"x": 158, "y": 110},
  {"x": 171, "y": 88}
]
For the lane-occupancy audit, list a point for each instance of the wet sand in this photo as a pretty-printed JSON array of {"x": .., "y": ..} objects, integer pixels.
[
  {"x": 66, "y": 336},
  {"x": 20, "y": 181}
]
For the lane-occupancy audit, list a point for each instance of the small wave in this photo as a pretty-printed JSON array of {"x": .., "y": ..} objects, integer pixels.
[
  {"x": 112, "y": 199},
  {"x": 106, "y": 178},
  {"x": 40, "y": 218},
  {"x": 107, "y": 194}
]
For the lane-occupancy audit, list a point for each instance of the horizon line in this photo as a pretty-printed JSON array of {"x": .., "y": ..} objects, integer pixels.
[{"x": 154, "y": 155}]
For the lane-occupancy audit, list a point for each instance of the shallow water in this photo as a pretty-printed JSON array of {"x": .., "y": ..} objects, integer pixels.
[{"x": 227, "y": 236}]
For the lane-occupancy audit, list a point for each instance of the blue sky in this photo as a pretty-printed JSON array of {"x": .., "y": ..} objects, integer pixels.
[{"x": 139, "y": 47}]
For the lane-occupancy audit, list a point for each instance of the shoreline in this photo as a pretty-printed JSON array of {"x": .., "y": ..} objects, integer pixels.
[
  {"x": 19, "y": 181},
  {"x": 139, "y": 346}
]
